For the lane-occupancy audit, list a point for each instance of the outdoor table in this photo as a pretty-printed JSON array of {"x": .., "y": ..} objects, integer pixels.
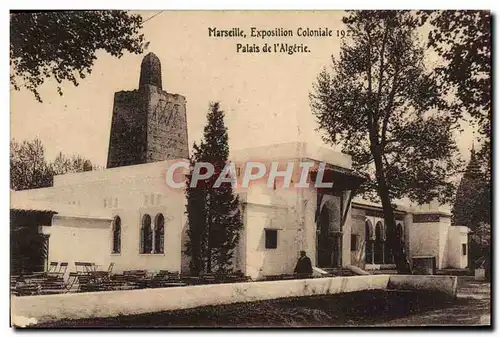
[{"x": 99, "y": 275}]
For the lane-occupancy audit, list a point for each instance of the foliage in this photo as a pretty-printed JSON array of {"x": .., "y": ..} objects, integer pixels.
[
  {"x": 472, "y": 204},
  {"x": 29, "y": 168},
  {"x": 213, "y": 212},
  {"x": 482, "y": 235},
  {"x": 480, "y": 247},
  {"x": 63, "y": 44},
  {"x": 386, "y": 109},
  {"x": 64, "y": 164},
  {"x": 463, "y": 40},
  {"x": 473, "y": 199},
  {"x": 197, "y": 244}
]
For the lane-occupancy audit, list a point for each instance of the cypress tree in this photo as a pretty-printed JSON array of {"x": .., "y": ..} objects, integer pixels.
[
  {"x": 196, "y": 245},
  {"x": 213, "y": 212}
]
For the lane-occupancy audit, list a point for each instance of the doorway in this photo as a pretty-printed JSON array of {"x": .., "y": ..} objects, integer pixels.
[{"x": 329, "y": 241}]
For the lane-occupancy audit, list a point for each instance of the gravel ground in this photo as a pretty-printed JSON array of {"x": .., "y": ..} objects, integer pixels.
[{"x": 472, "y": 307}]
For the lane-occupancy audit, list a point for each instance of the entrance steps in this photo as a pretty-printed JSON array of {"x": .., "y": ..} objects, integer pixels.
[
  {"x": 353, "y": 271},
  {"x": 384, "y": 271}
]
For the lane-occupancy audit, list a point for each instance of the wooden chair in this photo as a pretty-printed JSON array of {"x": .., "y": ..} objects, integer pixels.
[
  {"x": 52, "y": 267},
  {"x": 81, "y": 268},
  {"x": 83, "y": 281},
  {"x": 103, "y": 275},
  {"x": 119, "y": 282},
  {"x": 165, "y": 278},
  {"x": 84, "y": 267},
  {"x": 60, "y": 272},
  {"x": 62, "y": 268},
  {"x": 136, "y": 278},
  {"x": 13, "y": 284},
  {"x": 53, "y": 286},
  {"x": 28, "y": 288}
]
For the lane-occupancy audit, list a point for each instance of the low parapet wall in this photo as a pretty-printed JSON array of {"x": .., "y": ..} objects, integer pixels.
[
  {"x": 432, "y": 283},
  {"x": 44, "y": 308}
]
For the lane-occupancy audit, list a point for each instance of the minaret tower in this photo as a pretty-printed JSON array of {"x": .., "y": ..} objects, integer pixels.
[{"x": 148, "y": 124}]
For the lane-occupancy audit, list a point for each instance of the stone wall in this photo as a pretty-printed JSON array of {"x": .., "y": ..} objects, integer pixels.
[
  {"x": 167, "y": 136},
  {"x": 148, "y": 125},
  {"x": 127, "y": 142}
]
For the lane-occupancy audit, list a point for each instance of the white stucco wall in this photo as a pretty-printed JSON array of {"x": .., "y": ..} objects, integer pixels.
[
  {"x": 133, "y": 191},
  {"x": 457, "y": 236},
  {"x": 424, "y": 240},
  {"x": 79, "y": 240},
  {"x": 439, "y": 239},
  {"x": 289, "y": 210},
  {"x": 45, "y": 308},
  {"x": 129, "y": 192},
  {"x": 259, "y": 260}
]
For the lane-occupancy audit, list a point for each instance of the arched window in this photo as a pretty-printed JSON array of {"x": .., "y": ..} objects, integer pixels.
[
  {"x": 369, "y": 249},
  {"x": 379, "y": 243},
  {"x": 159, "y": 233},
  {"x": 146, "y": 235},
  {"x": 117, "y": 233},
  {"x": 400, "y": 232}
]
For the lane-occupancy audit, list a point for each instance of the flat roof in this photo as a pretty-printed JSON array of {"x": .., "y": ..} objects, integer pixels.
[
  {"x": 22, "y": 201},
  {"x": 292, "y": 150}
]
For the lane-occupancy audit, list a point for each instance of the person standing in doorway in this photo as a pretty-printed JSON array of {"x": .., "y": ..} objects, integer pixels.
[{"x": 303, "y": 269}]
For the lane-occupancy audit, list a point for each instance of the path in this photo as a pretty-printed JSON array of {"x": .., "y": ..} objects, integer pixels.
[{"x": 471, "y": 308}]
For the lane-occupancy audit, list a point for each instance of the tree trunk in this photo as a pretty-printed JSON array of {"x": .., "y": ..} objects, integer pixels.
[
  {"x": 209, "y": 259},
  {"x": 402, "y": 264}
]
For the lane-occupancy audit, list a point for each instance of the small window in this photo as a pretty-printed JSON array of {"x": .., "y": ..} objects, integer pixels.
[
  {"x": 271, "y": 238},
  {"x": 117, "y": 232},
  {"x": 464, "y": 249},
  {"x": 146, "y": 235},
  {"x": 354, "y": 242},
  {"x": 159, "y": 234}
]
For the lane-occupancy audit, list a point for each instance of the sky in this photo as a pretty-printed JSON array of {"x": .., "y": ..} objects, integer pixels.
[{"x": 264, "y": 95}]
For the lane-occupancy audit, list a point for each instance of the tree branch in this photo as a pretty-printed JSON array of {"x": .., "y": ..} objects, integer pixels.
[
  {"x": 388, "y": 109},
  {"x": 381, "y": 72},
  {"x": 372, "y": 122}
]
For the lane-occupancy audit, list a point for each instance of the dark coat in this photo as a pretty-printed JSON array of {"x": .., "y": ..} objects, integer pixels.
[{"x": 303, "y": 266}]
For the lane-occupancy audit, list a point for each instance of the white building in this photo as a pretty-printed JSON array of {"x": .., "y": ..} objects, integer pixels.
[
  {"x": 101, "y": 216},
  {"x": 128, "y": 215}
]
